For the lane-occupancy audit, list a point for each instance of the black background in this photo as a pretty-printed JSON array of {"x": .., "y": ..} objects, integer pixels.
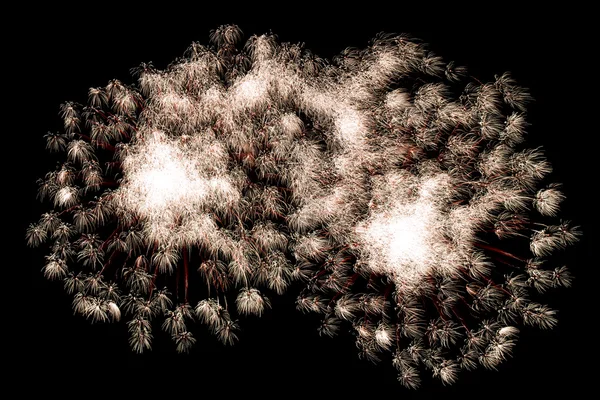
[{"x": 55, "y": 54}]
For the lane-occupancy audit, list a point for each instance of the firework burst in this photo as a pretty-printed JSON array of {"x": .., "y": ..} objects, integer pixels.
[{"x": 395, "y": 188}]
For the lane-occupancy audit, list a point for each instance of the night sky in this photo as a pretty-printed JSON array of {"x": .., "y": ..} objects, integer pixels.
[{"x": 55, "y": 59}]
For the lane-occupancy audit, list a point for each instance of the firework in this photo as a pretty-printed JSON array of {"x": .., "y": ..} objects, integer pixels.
[{"x": 398, "y": 190}]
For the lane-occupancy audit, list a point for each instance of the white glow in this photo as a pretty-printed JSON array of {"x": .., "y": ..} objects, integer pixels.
[
  {"x": 350, "y": 126},
  {"x": 404, "y": 237},
  {"x": 166, "y": 179},
  {"x": 249, "y": 91},
  {"x": 408, "y": 234},
  {"x": 168, "y": 184}
]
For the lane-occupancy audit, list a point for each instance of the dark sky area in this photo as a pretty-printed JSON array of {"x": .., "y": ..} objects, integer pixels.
[{"x": 55, "y": 55}]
